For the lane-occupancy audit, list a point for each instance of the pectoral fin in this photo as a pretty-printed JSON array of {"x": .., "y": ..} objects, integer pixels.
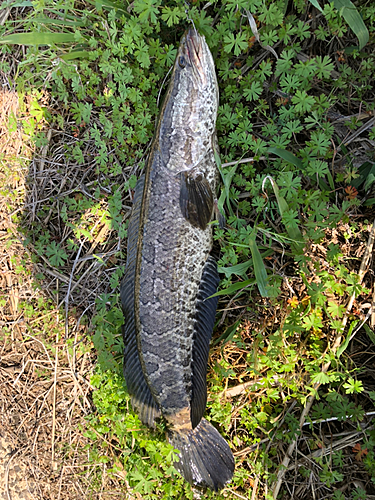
[{"x": 196, "y": 199}]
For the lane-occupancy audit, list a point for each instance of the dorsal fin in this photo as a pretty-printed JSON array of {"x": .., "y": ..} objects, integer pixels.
[{"x": 204, "y": 323}]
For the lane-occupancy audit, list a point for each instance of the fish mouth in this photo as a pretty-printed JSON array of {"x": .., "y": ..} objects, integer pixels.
[{"x": 194, "y": 51}]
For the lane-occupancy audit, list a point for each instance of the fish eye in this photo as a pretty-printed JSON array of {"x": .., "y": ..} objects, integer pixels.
[{"x": 181, "y": 62}]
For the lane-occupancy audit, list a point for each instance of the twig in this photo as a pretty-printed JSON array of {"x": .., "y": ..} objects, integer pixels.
[
  {"x": 255, "y": 488},
  {"x": 238, "y": 495},
  {"x": 335, "y": 419},
  {"x": 239, "y": 389},
  {"x": 44, "y": 151},
  {"x": 357, "y": 133},
  {"x": 250, "y": 449},
  {"x": 70, "y": 286},
  {"x": 7, "y": 473},
  {"x": 339, "y": 445},
  {"x": 285, "y": 463},
  {"x": 254, "y": 29},
  {"x": 160, "y": 91},
  {"x": 244, "y": 160},
  {"x": 4, "y": 14},
  {"x": 32, "y": 360},
  {"x": 54, "y": 400}
]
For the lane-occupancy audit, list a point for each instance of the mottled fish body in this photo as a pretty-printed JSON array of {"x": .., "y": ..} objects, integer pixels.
[{"x": 170, "y": 274}]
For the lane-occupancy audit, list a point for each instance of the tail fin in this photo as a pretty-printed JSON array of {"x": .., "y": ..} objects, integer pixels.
[{"x": 205, "y": 457}]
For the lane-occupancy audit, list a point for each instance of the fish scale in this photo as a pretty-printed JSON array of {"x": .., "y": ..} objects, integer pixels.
[{"x": 171, "y": 246}]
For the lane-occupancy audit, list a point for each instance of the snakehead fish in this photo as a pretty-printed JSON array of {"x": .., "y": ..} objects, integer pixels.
[{"x": 170, "y": 273}]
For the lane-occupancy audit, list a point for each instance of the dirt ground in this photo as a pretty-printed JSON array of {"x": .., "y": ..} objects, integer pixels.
[{"x": 43, "y": 399}]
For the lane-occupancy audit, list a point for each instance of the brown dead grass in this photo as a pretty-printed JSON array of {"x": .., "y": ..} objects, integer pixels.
[{"x": 44, "y": 384}]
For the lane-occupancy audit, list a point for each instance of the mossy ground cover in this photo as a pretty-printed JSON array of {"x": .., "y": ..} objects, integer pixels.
[{"x": 291, "y": 365}]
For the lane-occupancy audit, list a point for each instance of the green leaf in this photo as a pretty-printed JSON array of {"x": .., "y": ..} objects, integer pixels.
[
  {"x": 335, "y": 310},
  {"x": 316, "y": 5},
  {"x": 293, "y": 231},
  {"x": 351, "y": 15},
  {"x": 259, "y": 269},
  {"x": 320, "y": 378},
  {"x": 228, "y": 334},
  {"x": 302, "y": 101},
  {"x": 313, "y": 320},
  {"x": 253, "y": 92},
  {"x": 234, "y": 288},
  {"x": 345, "y": 344},
  {"x": 75, "y": 54},
  {"x": 353, "y": 386},
  {"x": 147, "y": 10},
  {"x": 238, "y": 43},
  {"x": 56, "y": 254},
  {"x": 370, "y": 333},
  {"x": 171, "y": 16},
  {"x": 287, "y": 156},
  {"x": 38, "y": 38}
]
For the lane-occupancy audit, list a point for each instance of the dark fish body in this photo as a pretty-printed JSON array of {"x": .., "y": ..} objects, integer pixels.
[{"x": 170, "y": 274}]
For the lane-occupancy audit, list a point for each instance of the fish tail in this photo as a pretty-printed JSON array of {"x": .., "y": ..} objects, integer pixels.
[{"x": 205, "y": 457}]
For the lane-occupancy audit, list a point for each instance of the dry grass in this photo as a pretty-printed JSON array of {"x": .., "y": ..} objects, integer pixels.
[{"x": 44, "y": 380}]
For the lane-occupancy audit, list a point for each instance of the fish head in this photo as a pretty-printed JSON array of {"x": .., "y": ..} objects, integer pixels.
[
  {"x": 195, "y": 58},
  {"x": 188, "y": 116}
]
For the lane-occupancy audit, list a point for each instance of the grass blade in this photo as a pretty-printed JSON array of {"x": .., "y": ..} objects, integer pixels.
[
  {"x": 293, "y": 232},
  {"x": 228, "y": 334},
  {"x": 240, "y": 269},
  {"x": 75, "y": 54},
  {"x": 227, "y": 181},
  {"x": 345, "y": 344},
  {"x": 370, "y": 333},
  {"x": 287, "y": 156},
  {"x": 25, "y": 3},
  {"x": 59, "y": 22},
  {"x": 38, "y": 38},
  {"x": 234, "y": 288},
  {"x": 351, "y": 15},
  {"x": 109, "y": 5},
  {"x": 316, "y": 5},
  {"x": 259, "y": 269}
]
